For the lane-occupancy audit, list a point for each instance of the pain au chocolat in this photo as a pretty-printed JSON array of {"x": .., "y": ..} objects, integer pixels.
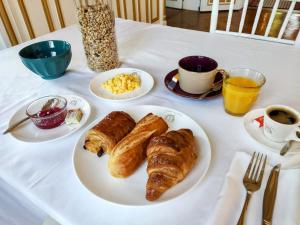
[{"x": 108, "y": 132}]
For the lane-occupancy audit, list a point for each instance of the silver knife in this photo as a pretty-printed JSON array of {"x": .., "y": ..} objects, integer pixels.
[{"x": 270, "y": 196}]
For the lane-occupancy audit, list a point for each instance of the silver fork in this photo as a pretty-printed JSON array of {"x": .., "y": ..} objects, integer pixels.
[{"x": 252, "y": 179}]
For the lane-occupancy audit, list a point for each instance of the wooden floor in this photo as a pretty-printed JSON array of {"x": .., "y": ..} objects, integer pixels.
[{"x": 201, "y": 20}]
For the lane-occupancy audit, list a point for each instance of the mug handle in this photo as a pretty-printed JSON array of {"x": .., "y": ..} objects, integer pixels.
[{"x": 224, "y": 75}]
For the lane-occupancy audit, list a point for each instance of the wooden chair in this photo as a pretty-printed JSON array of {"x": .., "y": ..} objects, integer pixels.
[
  {"x": 252, "y": 34},
  {"x": 22, "y": 20},
  {"x": 149, "y": 11}
]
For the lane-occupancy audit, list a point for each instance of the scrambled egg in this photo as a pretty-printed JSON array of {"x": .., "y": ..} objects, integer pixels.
[{"x": 122, "y": 83}]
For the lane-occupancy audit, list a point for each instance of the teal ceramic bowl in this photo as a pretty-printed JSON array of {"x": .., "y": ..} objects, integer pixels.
[{"x": 48, "y": 59}]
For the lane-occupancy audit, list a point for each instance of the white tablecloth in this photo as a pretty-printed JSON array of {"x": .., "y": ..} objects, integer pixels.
[
  {"x": 44, "y": 173},
  {"x": 17, "y": 210}
]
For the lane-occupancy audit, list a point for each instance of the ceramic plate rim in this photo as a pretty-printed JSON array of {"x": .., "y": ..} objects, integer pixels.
[
  {"x": 125, "y": 99},
  {"x": 199, "y": 180},
  {"x": 58, "y": 138}
]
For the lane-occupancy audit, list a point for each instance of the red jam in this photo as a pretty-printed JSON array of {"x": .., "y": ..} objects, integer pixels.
[{"x": 43, "y": 122}]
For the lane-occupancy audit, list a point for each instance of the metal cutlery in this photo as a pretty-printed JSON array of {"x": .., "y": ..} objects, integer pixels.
[
  {"x": 270, "y": 196},
  {"x": 252, "y": 180},
  {"x": 288, "y": 145},
  {"x": 213, "y": 89},
  {"x": 50, "y": 103},
  {"x": 216, "y": 87},
  {"x": 173, "y": 82}
]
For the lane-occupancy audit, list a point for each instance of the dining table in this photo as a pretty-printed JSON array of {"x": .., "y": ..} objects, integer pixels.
[{"x": 43, "y": 172}]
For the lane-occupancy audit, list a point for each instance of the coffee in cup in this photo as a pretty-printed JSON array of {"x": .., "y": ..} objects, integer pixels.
[
  {"x": 281, "y": 123},
  {"x": 197, "y": 74}
]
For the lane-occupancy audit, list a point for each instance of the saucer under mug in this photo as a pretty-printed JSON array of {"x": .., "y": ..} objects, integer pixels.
[
  {"x": 175, "y": 88},
  {"x": 257, "y": 133}
]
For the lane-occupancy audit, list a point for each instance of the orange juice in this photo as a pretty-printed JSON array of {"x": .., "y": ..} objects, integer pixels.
[{"x": 239, "y": 94}]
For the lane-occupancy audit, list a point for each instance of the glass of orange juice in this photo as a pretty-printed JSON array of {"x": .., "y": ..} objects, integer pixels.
[{"x": 240, "y": 90}]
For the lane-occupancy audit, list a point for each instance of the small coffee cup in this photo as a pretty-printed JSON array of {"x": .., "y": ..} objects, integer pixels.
[
  {"x": 197, "y": 74},
  {"x": 281, "y": 123}
]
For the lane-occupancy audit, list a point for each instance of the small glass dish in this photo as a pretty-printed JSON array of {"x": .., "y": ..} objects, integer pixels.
[{"x": 47, "y": 112}]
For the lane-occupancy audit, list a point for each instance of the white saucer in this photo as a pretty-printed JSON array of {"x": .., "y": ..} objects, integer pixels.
[
  {"x": 28, "y": 132},
  {"x": 258, "y": 133},
  {"x": 147, "y": 83}
]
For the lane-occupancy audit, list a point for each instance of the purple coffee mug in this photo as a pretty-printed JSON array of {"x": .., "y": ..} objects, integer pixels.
[{"x": 197, "y": 73}]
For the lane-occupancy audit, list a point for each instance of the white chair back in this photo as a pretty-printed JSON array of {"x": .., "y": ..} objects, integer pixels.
[{"x": 214, "y": 22}]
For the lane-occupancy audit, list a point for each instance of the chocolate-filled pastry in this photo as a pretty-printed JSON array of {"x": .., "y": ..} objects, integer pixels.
[
  {"x": 130, "y": 152},
  {"x": 108, "y": 132},
  {"x": 170, "y": 157}
]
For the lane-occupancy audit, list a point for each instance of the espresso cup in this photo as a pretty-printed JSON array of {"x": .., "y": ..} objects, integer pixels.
[
  {"x": 197, "y": 74},
  {"x": 281, "y": 123}
]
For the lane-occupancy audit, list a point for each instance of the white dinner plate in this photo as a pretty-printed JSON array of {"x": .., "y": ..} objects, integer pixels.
[
  {"x": 93, "y": 172},
  {"x": 28, "y": 132},
  {"x": 147, "y": 83}
]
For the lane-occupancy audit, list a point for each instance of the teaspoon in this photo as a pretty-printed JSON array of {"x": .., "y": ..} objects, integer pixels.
[{"x": 288, "y": 145}]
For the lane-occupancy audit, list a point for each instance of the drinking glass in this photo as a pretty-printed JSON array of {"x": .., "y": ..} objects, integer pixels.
[{"x": 240, "y": 90}]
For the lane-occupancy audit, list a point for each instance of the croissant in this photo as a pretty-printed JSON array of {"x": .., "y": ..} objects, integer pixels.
[
  {"x": 108, "y": 132},
  {"x": 130, "y": 152},
  {"x": 170, "y": 157}
]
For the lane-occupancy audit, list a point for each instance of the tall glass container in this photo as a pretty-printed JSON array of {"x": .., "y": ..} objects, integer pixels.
[{"x": 97, "y": 22}]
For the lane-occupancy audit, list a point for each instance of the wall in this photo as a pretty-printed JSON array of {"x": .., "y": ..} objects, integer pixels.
[
  {"x": 174, "y": 4},
  {"x": 206, "y": 5},
  {"x": 192, "y": 4},
  {"x": 224, "y": 5}
]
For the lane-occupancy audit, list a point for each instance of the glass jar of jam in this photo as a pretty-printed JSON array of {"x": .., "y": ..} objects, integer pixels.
[{"x": 48, "y": 112}]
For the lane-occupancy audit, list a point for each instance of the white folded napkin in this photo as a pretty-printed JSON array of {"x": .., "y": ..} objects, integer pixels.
[{"x": 233, "y": 194}]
